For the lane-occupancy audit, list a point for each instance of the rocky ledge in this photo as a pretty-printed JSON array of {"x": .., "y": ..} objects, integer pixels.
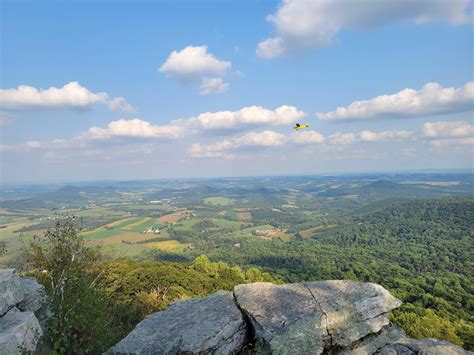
[
  {"x": 19, "y": 299},
  {"x": 330, "y": 317}
]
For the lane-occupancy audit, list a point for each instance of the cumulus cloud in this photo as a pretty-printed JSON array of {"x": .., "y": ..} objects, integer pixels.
[
  {"x": 134, "y": 128},
  {"x": 432, "y": 99},
  {"x": 247, "y": 116},
  {"x": 307, "y": 137},
  {"x": 448, "y": 129},
  {"x": 224, "y": 148},
  {"x": 339, "y": 138},
  {"x": 303, "y": 25},
  {"x": 71, "y": 95},
  {"x": 211, "y": 86},
  {"x": 192, "y": 62},
  {"x": 195, "y": 63}
]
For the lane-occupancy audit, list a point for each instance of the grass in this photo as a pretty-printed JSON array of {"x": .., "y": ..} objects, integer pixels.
[
  {"x": 218, "y": 201},
  {"x": 143, "y": 224},
  {"x": 166, "y": 245},
  {"x": 15, "y": 242},
  {"x": 131, "y": 237},
  {"x": 224, "y": 223},
  {"x": 99, "y": 233}
]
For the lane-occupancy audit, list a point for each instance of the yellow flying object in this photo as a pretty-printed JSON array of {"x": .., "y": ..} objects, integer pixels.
[{"x": 297, "y": 127}]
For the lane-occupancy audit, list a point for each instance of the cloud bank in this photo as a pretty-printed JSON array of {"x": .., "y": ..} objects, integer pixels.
[
  {"x": 431, "y": 99},
  {"x": 304, "y": 25},
  {"x": 245, "y": 117},
  {"x": 71, "y": 95},
  {"x": 223, "y": 149}
]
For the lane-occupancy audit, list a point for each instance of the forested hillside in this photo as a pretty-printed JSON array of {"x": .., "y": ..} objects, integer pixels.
[{"x": 421, "y": 250}]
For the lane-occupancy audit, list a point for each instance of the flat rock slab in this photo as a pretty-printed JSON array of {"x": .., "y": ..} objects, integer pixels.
[
  {"x": 33, "y": 295},
  {"x": 205, "y": 325},
  {"x": 11, "y": 290},
  {"x": 353, "y": 309},
  {"x": 19, "y": 331},
  {"x": 408, "y": 346},
  {"x": 285, "y": 318},
  {"x": 308, "y": 317}
]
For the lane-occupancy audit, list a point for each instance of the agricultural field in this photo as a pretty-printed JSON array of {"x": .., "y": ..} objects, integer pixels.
[{"x": 218, "y": 201}]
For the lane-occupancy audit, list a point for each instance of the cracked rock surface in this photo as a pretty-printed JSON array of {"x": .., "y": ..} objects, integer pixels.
[
  {"x": 19, "y": 331},
  {"x": 204, "y": 325},
  {"x": 11, "y": 290},
  {"x": 330, "y": 317},
  {"x": 309, "y": 317}
]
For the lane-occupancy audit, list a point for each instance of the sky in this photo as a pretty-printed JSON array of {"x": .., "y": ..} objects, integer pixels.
[{"x": 113, "y": 90}]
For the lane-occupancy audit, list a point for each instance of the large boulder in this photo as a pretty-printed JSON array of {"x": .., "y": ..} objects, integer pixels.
[
  {"x": 205, "y": 325},
  {"x": 11, "y": 290},
  {"x": 308, "y": 317},
  {"x": 19, "y": 331},
  {"x": 33, "y": 295}
]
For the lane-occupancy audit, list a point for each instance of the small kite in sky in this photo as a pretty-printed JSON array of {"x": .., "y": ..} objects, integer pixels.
[{"x": 299, "y": 126}]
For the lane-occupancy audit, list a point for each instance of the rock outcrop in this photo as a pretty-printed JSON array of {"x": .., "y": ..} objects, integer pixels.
[
  {"x": 19, "y": 331},
  {"x": 11, "y": 290},
  {"x": 203, "y": 325},
  {"x": 309, "y": 317},
  {"x": 334, "y": 317}
]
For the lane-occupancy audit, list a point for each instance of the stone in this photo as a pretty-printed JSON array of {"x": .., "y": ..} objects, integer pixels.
[
  {"x": 19, "y": 331},
  {"x": 373, "y": 342},
  {"x": 11, "y": 290},
  {"x": 309, "y": 317},
  {"x": 204, "y": 325},
  {"x": 407, "y": 346},
  {"x": 352, "y": 309},
  {"x": 33, "y": 295},
  {"x": 285, "y": 318}
]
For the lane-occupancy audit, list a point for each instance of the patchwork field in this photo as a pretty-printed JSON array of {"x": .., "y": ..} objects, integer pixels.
[{"x": 218, "y": 201}]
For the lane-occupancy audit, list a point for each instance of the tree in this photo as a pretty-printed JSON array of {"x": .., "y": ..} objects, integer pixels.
[{"x": 69, "y": 269}]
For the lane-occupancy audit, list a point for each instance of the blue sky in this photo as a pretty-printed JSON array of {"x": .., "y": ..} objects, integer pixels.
[{"x": 239, "y": 65}]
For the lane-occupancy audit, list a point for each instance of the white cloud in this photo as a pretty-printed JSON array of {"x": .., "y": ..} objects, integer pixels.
[
  {"x": 224, "y": 148},
  {"x": 432, "y": 99},
  {"x": 134, "y": 128},
  {"x": 339, "y": 138},
  {"x": 247, "y": 116},
  {"x": 193, "y": 62},
  {"x": 439, "y": 143},
  {"x": 308, "y": 24},
  {"x": 369, "y": 136},
  {"x": 448, "y": 129},
  {"x": 307, "y": 137},
  {"x": 342, "y": 138},
  {"x": 211, "y": 86},
  {"x": 71, "y": 95},
  {"x": 33, "y": 144}
]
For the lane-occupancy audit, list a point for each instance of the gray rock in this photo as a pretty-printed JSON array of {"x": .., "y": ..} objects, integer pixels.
[
  {"x": 205, "y": 325},
  {"x": 306, "y": 318},
  {"x": 353, "y": 309},
  {"x": 285, "y": 318},
  {"x": 408, "y": 346},
  {"x": 19, "y": 331},
  {"x": 11, "y": 290},
  {"x": 34, "y": 295},
  {"x": 373, "y": 342}
]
